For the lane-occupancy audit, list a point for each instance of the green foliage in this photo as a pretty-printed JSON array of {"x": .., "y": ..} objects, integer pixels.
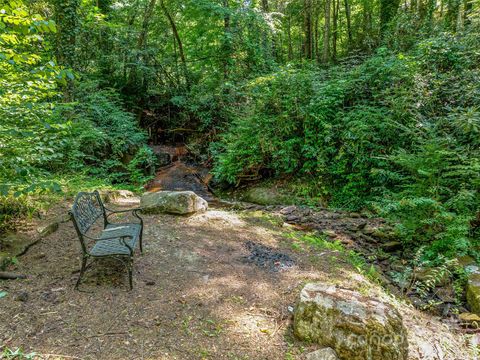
[
  {"x": 12, "y": 210},
  {"x": 17, "y": 354},
  {"x": 398, "y": 132},
  {"x": 40, "y": 136}
]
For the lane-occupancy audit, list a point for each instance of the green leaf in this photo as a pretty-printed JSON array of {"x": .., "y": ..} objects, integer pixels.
[
  {"x": 4, "y": 189},
  {"x": 3, "y": 294}
]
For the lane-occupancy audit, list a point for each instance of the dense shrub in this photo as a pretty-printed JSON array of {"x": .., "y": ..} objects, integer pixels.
[{"x": 398, "y": 133}]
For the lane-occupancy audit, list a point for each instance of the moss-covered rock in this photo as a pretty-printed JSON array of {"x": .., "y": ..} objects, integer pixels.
[
  {"x": 266, "y": 196},
  {"x": 173, "y": 202},
  {"x": 473, "y": 289},
  {"x": 356, "y": 327}
]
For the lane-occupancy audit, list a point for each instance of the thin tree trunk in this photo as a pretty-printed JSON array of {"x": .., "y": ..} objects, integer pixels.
[
  {"x": 66, "y": 17},
  {"x": 146, "y": 22},
  {"x": 468, "y": 7},
  {"x": 265, "y": 6},
  {"x": 388, "y": 10},
  {"x": 317, "y": 53},
  {"x": 308, "y": 29},
  {"x": 142, "y": 38},
  {"x": 227, "y": 47},
  {"x": 326, "y": 33},
  {"x": 178, "y": 41},
  {"x": 349, "y": 23},
  {"x": 336, "y": 5},
  {"x": 290, "y": 45}
]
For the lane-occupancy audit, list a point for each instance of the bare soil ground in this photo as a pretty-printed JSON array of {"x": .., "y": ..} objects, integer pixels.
[{"x": 194, "y": 297}]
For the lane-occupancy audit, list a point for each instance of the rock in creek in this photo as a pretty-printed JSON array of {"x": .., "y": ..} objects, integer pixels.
[
  {"x": 356, "y": 327},
  {"x": 173, "y": 202}
]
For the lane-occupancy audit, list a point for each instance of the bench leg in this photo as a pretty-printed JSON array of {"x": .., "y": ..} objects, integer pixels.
[
  {"x": 130, "y": 273},
  {"x": 82, "y": 271},
  {"x": 141, "y": 239}
]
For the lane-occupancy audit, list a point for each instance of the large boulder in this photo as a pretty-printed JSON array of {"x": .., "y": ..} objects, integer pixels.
[
  {"x": 356, "y": 327},
  {"x": 173, "y": 202}
]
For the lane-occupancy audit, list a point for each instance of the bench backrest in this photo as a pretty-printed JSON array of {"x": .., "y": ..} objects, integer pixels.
[{"x": 86, "y": 210}]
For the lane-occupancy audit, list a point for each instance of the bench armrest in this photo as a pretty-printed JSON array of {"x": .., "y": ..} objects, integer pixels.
[
  {"x": 122, "y": 211},
  {"x": 133, "y": 211}
]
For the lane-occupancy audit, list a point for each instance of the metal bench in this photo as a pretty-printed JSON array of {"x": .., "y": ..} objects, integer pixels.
[{"x": 116, "y": 240}]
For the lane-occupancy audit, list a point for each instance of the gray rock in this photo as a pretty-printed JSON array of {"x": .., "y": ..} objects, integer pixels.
[
  {"x": 266, "y": 196},
  {"x": 356, "y": 327},
  {"x": 109, "y": 196},
  {"x": 392, "y": 246},
  {"x": 172, "y": 202},
  {"x": 47, "y": 230},
  {"x": 322, "y": 354},
  {"x": 473, "y": 289}
]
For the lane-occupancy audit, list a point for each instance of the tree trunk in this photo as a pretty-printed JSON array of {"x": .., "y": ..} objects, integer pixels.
[
  {"x": 336, "y": 5},
  {"x": 326, "y": 33},
  {"x": 451, "y": 16},
  {"x": 227, "y": 41},
  {"x": 388, "y": 10},
  {"x": 468, "y": 7},
  {"x": 349, "y": 23},
  {"x": 290, "y": 45},
  {"x": 133, "y": 78},
  {"x": 178, "y": 42},
  {"x": 317, "y": 53},
  {"x": 146, "y": 22},
  {"x": 307, "y": 8},
  {"x": 265, "y": 6},
  {"x": 66, "y": 17}
]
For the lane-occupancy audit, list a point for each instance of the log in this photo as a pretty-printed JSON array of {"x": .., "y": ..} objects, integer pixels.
[{"x": 11, "y": 276}]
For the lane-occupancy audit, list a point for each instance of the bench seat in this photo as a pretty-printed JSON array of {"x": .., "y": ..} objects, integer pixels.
[{"x": 115, "y": 246}]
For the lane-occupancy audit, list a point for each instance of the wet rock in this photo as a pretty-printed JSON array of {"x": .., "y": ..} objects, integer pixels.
[
  {"x": 356, "y": 327},
  {"x": 469, "y": 318},
  {"x": 397, "y": 265},
  {"x": 288, "y": 210},
  {"x": 330, "y": 233},
  {"x": 322, "y": 354},
  {"x": 173, "y": 202},
  {"x": 384, "y": 234},
  {"x": 446, "y": 293},
  {"x": 465, "y": 261},
  {"x": 369, "y": 230},
  {"x": 163, "y": 159},
  {"x": 292, "y": 218},
  {"x": 392, "y": 246},
  {"x": 427, "y": 274}
]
